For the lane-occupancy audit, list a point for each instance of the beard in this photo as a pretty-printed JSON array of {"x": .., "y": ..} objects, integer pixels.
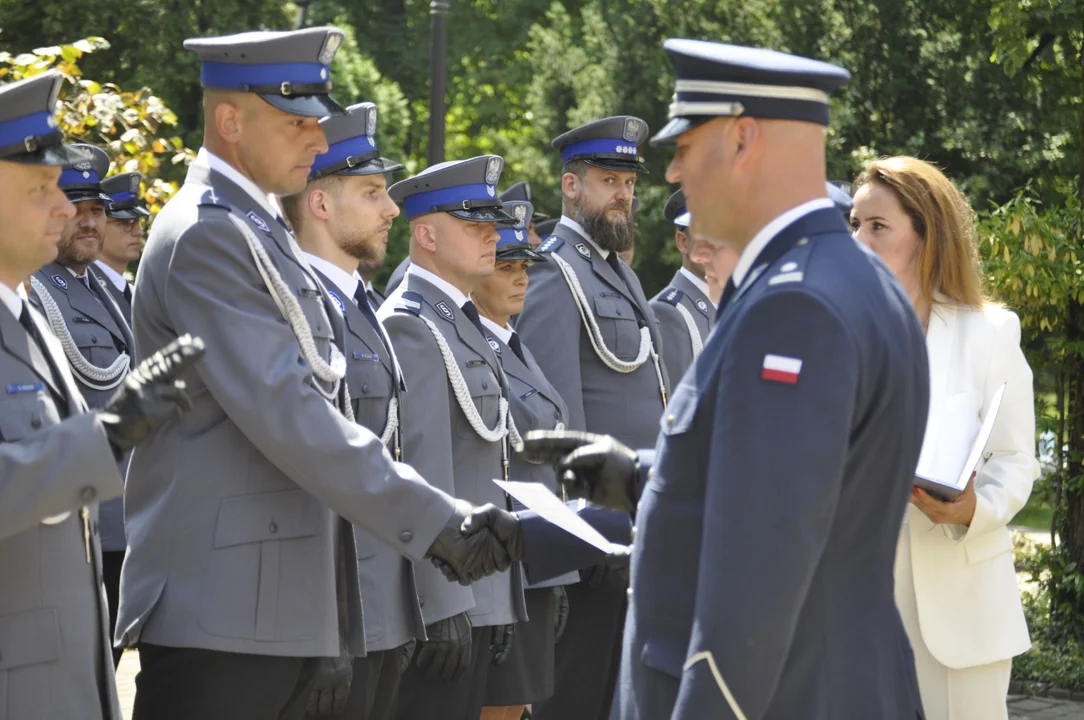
[
  {"x": 76, "y": 253},
  {"x": 612, "y": 235},
  {"x": 368, "y": 247}
]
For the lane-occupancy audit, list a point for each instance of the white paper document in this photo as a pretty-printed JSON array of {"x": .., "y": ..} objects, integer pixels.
[{"x": 539, "y": 498}]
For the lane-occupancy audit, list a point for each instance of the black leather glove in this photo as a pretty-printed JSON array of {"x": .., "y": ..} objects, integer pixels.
[
  {"x": 467, "y": 557},
  {"x": 446, "y": 654},
  {"x": 331, "y": 688},
  {"x": 595, "y": 467},
  {"x": 501, "y": 648},
  {"x": 503, "y": 531},
  {"x": 406, "y": 654},
  {"x": 614, "y": 569},
  {"x": 150, "y": 395},
  {"x": 561, "y": 617}
]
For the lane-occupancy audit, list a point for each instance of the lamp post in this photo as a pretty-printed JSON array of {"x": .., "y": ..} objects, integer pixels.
[
  {"x": 438, "y": 51},
  {"x": 302, "y": 6}
]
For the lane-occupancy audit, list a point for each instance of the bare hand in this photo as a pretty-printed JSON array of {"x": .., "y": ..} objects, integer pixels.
[{"x": 957, "y": 512}]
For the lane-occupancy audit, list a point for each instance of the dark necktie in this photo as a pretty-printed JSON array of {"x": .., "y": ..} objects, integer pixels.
[
  {"x": 472, "y": 314},
  {"x": 362, "y": 301},
  {"x": 517, "y": 347},
  {"x": 35, "y": 337},
  {"x": 615, "y": 262},
  {"x": 128, "y": 293}
]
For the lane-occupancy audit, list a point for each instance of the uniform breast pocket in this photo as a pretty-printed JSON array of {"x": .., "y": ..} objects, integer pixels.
[
  {"x": 619, "y": 325},
  {"x": 27, "y": 408},
  {"x": 485, "y": 392},
  {"x": 312, "y": 304},
  {"x": 370, "y": 390},
  {"x": 95, "y": 343}
]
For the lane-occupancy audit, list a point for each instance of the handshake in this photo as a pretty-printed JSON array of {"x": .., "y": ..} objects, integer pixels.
[{"x": 477, "y": 542}]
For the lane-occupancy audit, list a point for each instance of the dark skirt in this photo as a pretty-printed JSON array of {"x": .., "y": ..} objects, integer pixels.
[{"x": 527, "y": 676}]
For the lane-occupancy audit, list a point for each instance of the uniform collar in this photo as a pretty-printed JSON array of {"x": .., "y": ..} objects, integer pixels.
[
  {"x": 208, "y": 159},
  {"x": 118, "y": 280},
  {"x": 573, "y": 225},
  {"x": 343, "y": 280},
  {"x": 74, "y": 274},
  {"x": 454, "y": 293},
  {"x": 697, "y": 282},
  {"x": 504, "y": 334},
  {"x": 761, "y": 239},
  {"x": 11, "y": 300}
]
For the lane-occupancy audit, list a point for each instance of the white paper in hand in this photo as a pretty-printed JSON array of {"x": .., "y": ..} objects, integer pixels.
[{"x": 539, "y": 498}]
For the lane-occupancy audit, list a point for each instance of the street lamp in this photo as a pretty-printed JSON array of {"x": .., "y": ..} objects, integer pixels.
[
  {"x": 438, "y": 51},
  {"x": 302, "y": 6}
]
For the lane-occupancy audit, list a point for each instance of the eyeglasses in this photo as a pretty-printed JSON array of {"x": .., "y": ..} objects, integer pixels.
[{"x": 130, "y": 224}]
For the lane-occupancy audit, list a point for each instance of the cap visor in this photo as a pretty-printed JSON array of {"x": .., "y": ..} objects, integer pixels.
[
  {"x": 539, "y": 217},
  {"x": 316, "y": 106},
  {"x": 669, "y": 133},
  {"x": 618, "y": 165},
  {"x": 522, "y": 252},
  {"x": 373, "y": 167},
  {"x": 86, "y": 195},
  {"x": 489, "y": 214},
  {"x": 55, "y": 155},
  {"x": 133, "y": 213},
  {"x": 683, "y": 219}
]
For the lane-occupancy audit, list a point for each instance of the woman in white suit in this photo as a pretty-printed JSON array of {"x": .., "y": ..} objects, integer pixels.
[{"x": 955, "y": 582}]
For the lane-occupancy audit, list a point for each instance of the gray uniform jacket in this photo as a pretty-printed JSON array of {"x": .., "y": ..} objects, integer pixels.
[
  {"x": 389, "y": 594},
  {"x": 233, "y": 511},
  {"x": 396, "y": 278},
  {"x": 54, "y": 460},
  {"x": 100, "y": 330},
  {"x": 118, "y": 295},
  {"x": 601, "y": 400},
  {"x": 677, "y": 341},
  {"x": 442, "y": 445}
]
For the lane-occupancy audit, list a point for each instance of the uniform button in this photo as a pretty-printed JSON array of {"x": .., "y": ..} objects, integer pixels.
[
  {"x": 365, "y": 387},
  {"x": 629, "y": 593},
  {"x": 618, "y": 311},
  {"x": 485, "y": 385},
  {"x": 273, "y": 527},
  {"x": 556, "y": 414},
  {"x": 94, "y": 338},
  {"x": 88, "y": 494},
  {"x": 670, "y": 420},
  {"x": 35, "y": 422},
  {"x": 406, "y": 536},
  {"x": 421, "y": 603}
]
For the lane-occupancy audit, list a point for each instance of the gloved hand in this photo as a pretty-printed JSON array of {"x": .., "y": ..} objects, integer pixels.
[
  {"x": 615, "y": 568},
  {"x": 561, "y": 618},
  {"x": 595, "y": 467},
  {"x": 467, "y": 557},
  {"x": 501, "y": 648},
  {"x": 150, "y": 395},
  {"x": 331, "y": 688},
  {"x": 406, "y": 654},
  {"x": 504, "y": 530},
  {"x": 446, "y": 654}
]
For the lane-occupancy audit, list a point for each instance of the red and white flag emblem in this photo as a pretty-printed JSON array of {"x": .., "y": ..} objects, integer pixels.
[{"x": 779, "y": 368}]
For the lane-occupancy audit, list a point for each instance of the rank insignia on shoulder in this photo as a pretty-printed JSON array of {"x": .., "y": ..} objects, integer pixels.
[
  {"x": 672, "y": 296},
  {"x": 60, "y": 282},
  {"x": 258, "y": 221},
  {"x": 781, "y": 369},
  {"x": 551, "y": 244},
  {"x": 786, "y": 277},
  {"x": 495, "y": 345},
  {"x": 583, "y": 250},
  {"x": 337, "y": 300},
  {"x": 443, "y": 309},
  {"x": 212, "y": 198},
  {"x": 410, "y": 302}
]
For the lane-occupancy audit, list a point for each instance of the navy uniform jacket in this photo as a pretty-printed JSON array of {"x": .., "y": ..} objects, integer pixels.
[
  {"x": 767, "y": 531},
  {"x": 677, "y": 345},
  {"x": 389, "y": 594}
]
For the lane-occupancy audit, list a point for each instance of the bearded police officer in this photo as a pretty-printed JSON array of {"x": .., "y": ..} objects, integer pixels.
[
  {"x": 767, "y": 528},
  {"x": 342, "y": 218},
  {"x": 684, "y": 308},
  {"x": 456, "y": 426},
  {"x": 597, "y": 340},
  {"x": 240, "y": 582},
  {"x": 56, "y": 457},
  {"x": 122, "y": 239}
]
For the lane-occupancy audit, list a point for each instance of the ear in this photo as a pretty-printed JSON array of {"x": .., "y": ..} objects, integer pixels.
[
  {"x": 319, "y": 204},
  {"x": 746, "y": 138},
  {"x": 425, "y": 236},
  {"x": 570, "y": 186},
  {"x": 228, "y": 122},
  {"x": 682, "y": 241}
]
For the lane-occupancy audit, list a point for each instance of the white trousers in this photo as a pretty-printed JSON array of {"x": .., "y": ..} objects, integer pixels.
[{"x": 974, "y": 693}]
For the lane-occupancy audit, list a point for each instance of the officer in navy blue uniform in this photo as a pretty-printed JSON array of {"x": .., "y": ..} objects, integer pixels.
[{"x": 767, "y": 522}]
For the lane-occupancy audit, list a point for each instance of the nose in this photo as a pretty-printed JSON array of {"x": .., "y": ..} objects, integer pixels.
[
  {"x": 318, "y": 142},
  {"x": 492, "y": 236},
  {"x": 673, "y": 170},
  {"x": 391, "y": 210},
  {"x": 64, "y": 207}
]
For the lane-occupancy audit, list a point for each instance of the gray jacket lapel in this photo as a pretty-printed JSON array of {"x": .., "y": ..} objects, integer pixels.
[
  {"x": 102, "y": 290},
  {"x": 17, "y": 342},
  {"x": 528, "y": 373},
  {"x": 443, "y": 305},
  {"x": 356, "y": 324},
  {"x": 80, "y": 297}
]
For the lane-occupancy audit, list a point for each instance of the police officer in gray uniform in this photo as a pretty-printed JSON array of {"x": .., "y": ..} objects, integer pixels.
[
  {"x": 684, "y": 310},
  {"x": 767, "y": 522},
  {"x": 92, "y": 327},
  {"x": 57, "y": 458},
  {"x": 457, "y": 430},
  {"x": 123, "y": 236},
  {"x": 240, "y": 585},
  {"x": 342, "y": 218},
  {"x": 597, "y": 340}
]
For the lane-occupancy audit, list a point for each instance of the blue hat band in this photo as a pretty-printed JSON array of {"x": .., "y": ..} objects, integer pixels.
[
  {"x": 341, "y": 152},
  {"x": 27, "y": 126},
  {"x": 75, "y": 177},
  {"x": 228, "y": 76},
  {"x": 424, "y": 202},
  {"x": 511, "y": 236},
  {"x": 122, "y": 197},
  {"x": 600, "y": 146}
]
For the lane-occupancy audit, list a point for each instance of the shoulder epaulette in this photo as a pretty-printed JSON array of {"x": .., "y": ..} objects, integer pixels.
[
  {"x": 551, "y": 244},
  {"x": 410, "y": 302},
  {"x": 672, "y": 296},
  {"x": 791, "y": 267},
  {"x": 210, "y": 197}
]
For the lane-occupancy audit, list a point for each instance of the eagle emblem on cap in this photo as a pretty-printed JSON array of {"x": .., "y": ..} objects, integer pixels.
[
  {"x": 331, "y": 46},
  {"x": 445, "y": 310},
  {"x": 493, "y": 171},
  {"x": 583, "y": 250},
  {"x": 370, "y": 123},
  {"x": 521, "y": 212},
  {"x": 632, "y": 129}
]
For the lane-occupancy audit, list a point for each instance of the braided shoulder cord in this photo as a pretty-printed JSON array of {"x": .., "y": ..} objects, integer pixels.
[{"x": 694, "y": 332}]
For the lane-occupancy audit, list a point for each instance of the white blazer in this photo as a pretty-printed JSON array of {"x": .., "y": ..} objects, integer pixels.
[{"x": 968, "y": 601}]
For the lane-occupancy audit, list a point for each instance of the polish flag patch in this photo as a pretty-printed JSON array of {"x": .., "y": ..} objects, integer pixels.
[{"x": 781, "y": 369}]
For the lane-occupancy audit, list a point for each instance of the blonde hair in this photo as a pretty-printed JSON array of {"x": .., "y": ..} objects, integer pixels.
[{"x": 949, "y": 259}]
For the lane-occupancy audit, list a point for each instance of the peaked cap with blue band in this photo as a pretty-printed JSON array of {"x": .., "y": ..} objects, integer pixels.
[
  {"x": 351, "y": 145},
  {"x": 522, "y": 191},
  {"x": 28, "y": 130},
  {"x": 612, "y": 143},
  {"x": 82, "y": 180},
  {"x": 466, "y": 189},
  {"x": 125, "y": 202},
  {"x": 513, "y": 243},
  {"x": 840, "y": 192},
  {"x": 674, "y": 210},
  {"x": 290, "y": 70},
  {"x": 719, "y": 80}
]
